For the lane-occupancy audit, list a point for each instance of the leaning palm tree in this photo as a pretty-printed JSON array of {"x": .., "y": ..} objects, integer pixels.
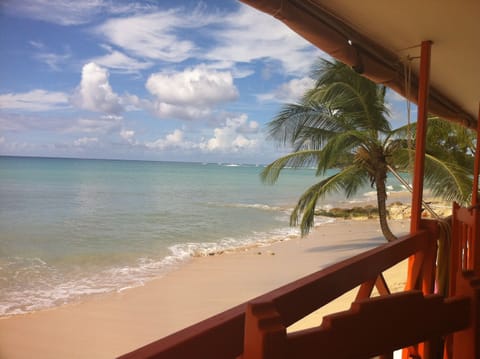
[{"x": 342, "y": 124}]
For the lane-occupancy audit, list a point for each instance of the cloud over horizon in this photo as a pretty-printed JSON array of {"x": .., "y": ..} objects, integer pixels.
[
  {"x": 94, "y": 92},
  {"x": 146, "y": 79}
]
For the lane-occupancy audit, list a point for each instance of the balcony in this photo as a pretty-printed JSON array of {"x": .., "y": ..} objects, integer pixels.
[{"x": 420, "y": 319}]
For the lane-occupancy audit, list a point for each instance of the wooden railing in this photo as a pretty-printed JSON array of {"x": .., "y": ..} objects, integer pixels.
[
  {"x": 372, "y": 326},
  {"x": 465, "y": 278}
]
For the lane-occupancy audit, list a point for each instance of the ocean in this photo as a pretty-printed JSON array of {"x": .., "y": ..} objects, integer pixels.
[{"x": 71, "y": 228}]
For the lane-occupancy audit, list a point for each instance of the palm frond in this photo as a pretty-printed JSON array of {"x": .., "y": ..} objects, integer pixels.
[
  {"x": 448, "y": 180},
  {"x": 288, "y": 127},
  {"x": 347, "y": 180},
  {"x": 298, "y": 159}
]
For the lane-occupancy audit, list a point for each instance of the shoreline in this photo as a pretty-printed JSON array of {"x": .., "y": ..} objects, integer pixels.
[{"x": 111, "y": 324}]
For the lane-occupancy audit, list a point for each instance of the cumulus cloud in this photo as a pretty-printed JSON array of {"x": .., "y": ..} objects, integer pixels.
[
  {"x": 237, "y": 134},
  {"x": 290, "y": 91},
  {"x": 95, "y": 93},
  {"x": 191, "y": 93},
  {"x": 174, "y": 140},
  {"x": 197, "y": 86},
  {"x": 35, "y": 100}
]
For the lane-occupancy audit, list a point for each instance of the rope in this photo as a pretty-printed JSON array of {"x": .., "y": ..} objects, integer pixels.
[
  {"x": 444, "y": 242},
  {"x": 407, "y": 68},
  {"x": 409, "y": 188}
]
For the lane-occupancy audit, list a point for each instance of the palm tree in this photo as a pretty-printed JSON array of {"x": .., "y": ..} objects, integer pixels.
[{"x": 342, "y": 124}]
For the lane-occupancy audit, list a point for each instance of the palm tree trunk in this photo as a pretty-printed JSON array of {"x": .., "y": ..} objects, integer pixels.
[{"x": 380, "y": 181}]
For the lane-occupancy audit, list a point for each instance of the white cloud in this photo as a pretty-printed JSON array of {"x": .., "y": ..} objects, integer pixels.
[
  {"x": 198, "y": 86},
  {"x": 37, "y": 44},
  {"x": 397, "y": 105},
  {"x": 290, "y": 91},
  {"x": 238, "y": 37},
  {"x": 71, "y": 12},
  {"x": 174, "y": 140},
  {"x": 150, "y": 35},
  {"x": 237, "y": 70},
  {"x": 191, "y": 93},
  {"x": 167, "y": 110},
  {"x": 237, "y": 134},
  {"x": 95, "y": 93},
  {"x": 249, "y": 35},
  {"x": 62, "y": 12},
  {"x": 118, "y": 61},
  {"x": 54, "y": 61},
  {"x": 128, "y": 135},
  {"x": 102, "y": 125},
  {"x": 85, "y": 141},
  {"x": 35, "y": 100}
]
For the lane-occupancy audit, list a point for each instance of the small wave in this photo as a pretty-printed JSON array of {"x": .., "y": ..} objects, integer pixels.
[
  {"x": 260, "y": 206},
  {"x": 34, "y": 284}
]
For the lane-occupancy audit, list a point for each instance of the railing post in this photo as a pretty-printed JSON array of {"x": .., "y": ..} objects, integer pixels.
[
  {"x": 265, "y": 335},
  {"x": 466, "y": 343}
]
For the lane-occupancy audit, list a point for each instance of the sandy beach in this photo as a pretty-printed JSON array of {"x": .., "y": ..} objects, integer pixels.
[{"x": 106, "y": 326}]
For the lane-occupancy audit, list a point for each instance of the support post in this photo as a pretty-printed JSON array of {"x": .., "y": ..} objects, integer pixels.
[
  {"x": 415, "y": 262},
  {"x": 475, "y": 240},
  {"x": 476, "y": 165},
  {"x": 423, "y": 90}
]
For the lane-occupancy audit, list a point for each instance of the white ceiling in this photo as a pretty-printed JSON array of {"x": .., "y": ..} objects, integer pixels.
[{"x": 453, "y": 26}]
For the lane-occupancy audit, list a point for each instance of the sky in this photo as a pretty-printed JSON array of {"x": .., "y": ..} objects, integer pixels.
[{"x": 148, "y": 80}]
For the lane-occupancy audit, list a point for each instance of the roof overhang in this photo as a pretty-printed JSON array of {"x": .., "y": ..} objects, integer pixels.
[{"x": 377, "y": 37}]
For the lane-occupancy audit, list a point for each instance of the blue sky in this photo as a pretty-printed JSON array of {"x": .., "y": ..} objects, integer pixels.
[{"x": 154, "y": 80}]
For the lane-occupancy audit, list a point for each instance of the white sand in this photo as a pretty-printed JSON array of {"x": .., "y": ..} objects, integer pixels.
[{"x": 109, "y": 325}]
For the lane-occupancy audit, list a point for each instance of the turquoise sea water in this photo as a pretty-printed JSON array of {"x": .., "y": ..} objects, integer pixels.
[{"x": 74, "y": 227}]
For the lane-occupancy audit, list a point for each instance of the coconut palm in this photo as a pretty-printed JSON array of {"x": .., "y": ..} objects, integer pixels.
[{"x": 342, "y": 124}]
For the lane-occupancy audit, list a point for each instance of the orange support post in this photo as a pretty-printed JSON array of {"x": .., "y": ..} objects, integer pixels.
[
  {"x": 416, "y": 262},
  {"x": 476, "y": 165},
  {"x": 474, "y": 247},
  {"x": 423, "y": 90}
]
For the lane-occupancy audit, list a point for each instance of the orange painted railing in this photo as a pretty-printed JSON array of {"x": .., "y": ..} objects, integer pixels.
[
  {"x": 373, "y": 326},
  {"x": 465, "y": 279}
]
